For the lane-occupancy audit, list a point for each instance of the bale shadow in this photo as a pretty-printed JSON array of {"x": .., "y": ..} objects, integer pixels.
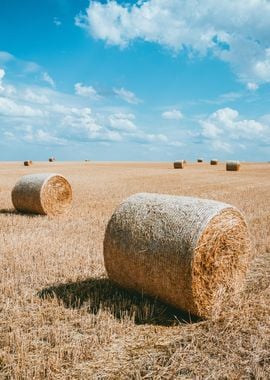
[
  {"x": 8, "y": 211},
  {"x": 102, "y": 294},
  {"x": 12, "y": 211}
]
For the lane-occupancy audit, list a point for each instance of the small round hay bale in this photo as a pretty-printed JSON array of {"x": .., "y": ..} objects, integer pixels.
[
  {"x": 199, "y": 160},
  {"x": 182, "y": 250},
  {"x": 27, "y": 163},
  {"x": 178, "y": 164},
  {"x": 185, "y": 161},
  {"x": 214, "y": 162},
  {"x": 44, "y": 193},
  {"x": 233, "y": 166}
]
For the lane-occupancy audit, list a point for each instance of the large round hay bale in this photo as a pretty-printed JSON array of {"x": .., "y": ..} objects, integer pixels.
[
  {"x": 214, "y": 162},
  {"x": 183, "y": 250},
  {"x": 45, "y": 194},
  {"x": 233, "y": 166},
  {"x": 199, "y": 160},
  {"x": 178, "y": 164}
]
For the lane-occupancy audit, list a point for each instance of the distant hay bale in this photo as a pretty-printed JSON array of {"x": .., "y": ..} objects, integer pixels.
[
  {"x": 45, "y": 194},
  {"x": 232, "y": 165},
  {"x": 27, "y": 163},
  {"x": 214, "y": 162},
  {"x": 51, "y": 159},
  {"x": 185, "y": 161},
  {"x": 199, "y": 160},
  {"x": 178, "y": 164},
  {"x": 182, "y": 250}
]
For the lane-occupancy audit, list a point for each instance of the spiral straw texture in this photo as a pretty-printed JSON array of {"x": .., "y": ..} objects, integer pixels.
[
  {"x": 45, "y": 194},
  {"x": 182, "y": 250}
]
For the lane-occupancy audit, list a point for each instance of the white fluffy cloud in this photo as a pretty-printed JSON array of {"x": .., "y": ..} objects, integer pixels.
[
  {"x": 126, "y": 95},
  {"x": 35, "y": 96},
  {"x": 157, "y": 138},
  {"x": 30, "y": 116},
  {"x": 235, "y": 32},
  {"x": 122, "y": 122},
  {"x": 210, "y": 130},
  {"x": 40, "y": 136},
  {"x": 148, "y": 138},
  {"x": 220, "y": 145},
  {"x": 226, "y": 126},
  {"x": 9, "y": 107},
  {"x": 87, "y": 91},
  {"x": 172, "y": 115},
  {"x": 228, "y": 120},
  {"x": 80, "y": 124}
]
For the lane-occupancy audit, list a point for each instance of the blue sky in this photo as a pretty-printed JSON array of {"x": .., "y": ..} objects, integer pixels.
[{"x": 138, "y": 80}]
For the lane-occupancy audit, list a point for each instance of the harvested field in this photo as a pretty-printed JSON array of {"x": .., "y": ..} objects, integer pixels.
[{"x": 61, "y": 318}]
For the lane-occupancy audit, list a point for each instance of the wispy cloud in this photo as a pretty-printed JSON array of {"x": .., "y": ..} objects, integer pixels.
[
  {"x": 47, "y": 78},
  {"x": 228, "y": 97},
  {"x": 24, "y": 67},
  {"x": 6, "y": 57},
  {"x": 30, "y": 67},
  {"x": 126, "y": 95},
  {"x": 57, "y": 21}
]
